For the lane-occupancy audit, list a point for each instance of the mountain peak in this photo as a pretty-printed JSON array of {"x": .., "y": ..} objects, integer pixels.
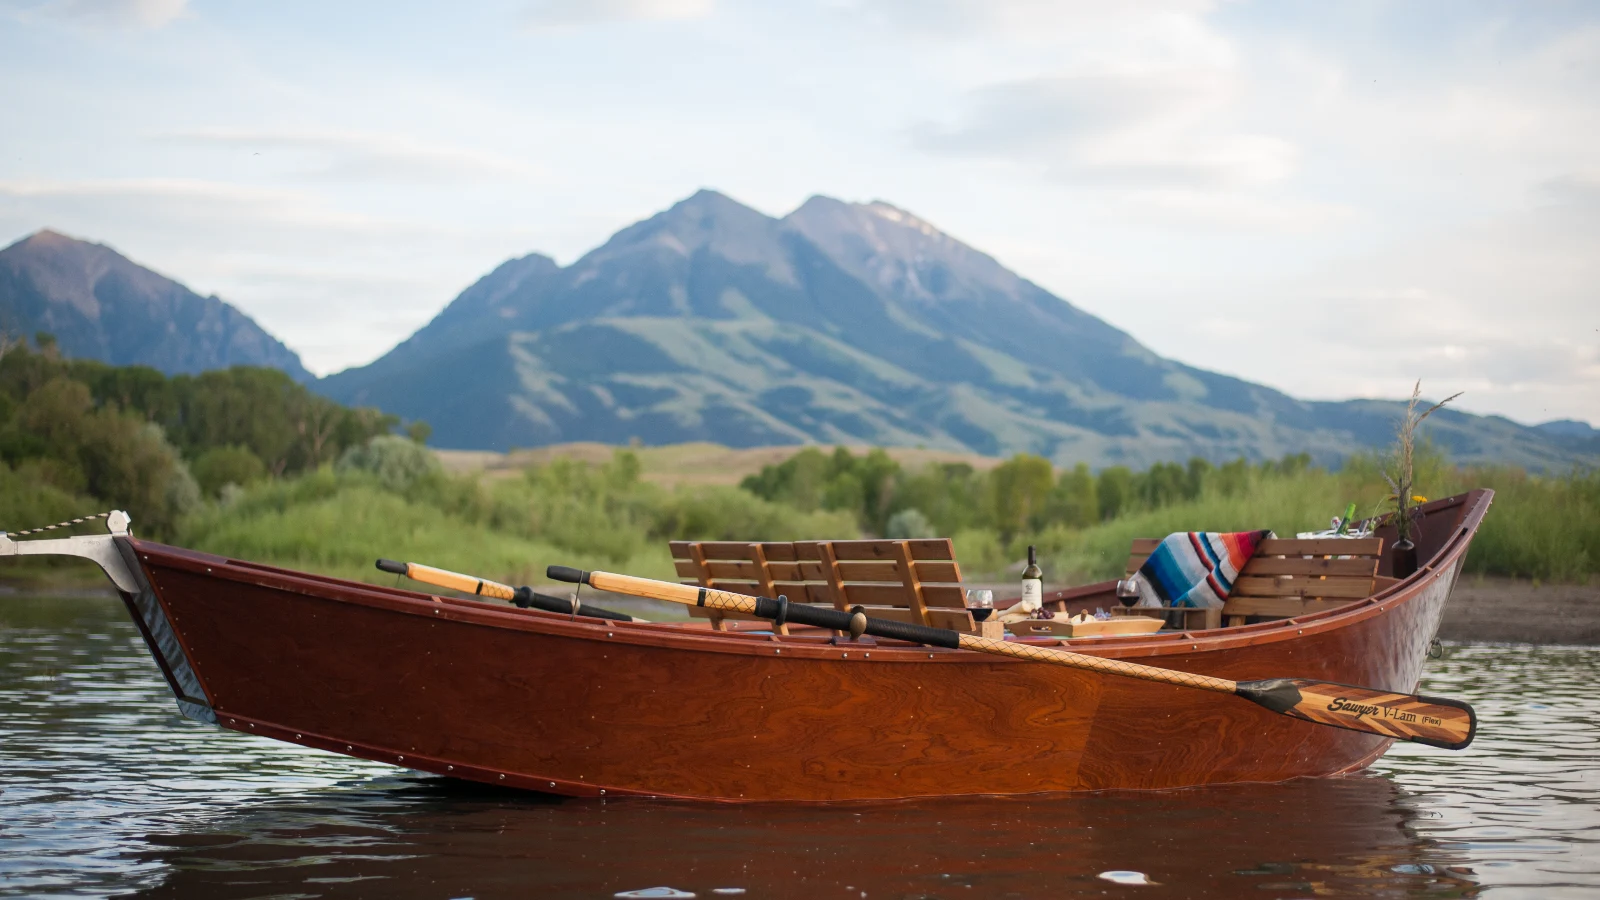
[
  {"x": 708, "y": 210},
  {"x": 707, "y": 220},
  {"x": 49, "y": 243},
  {"x": 101, "y": 305},
  {"x": 708, "y": 199},
  {"x": 48, "y": 237},
  {"x": 900, "y": 251}
]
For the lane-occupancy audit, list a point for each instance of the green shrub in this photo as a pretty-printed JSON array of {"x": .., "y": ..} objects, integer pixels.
[
  {"x": 730, "y": 514},
  {"x": 221, "y": 466},
  {"x": 909, "y": 523},
  {"x": 1544, "y": 527},
  {"x": 399, "y": 464}
]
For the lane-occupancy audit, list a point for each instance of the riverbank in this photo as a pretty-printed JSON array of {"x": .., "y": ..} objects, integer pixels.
[{"x": 1515, "y": 610}]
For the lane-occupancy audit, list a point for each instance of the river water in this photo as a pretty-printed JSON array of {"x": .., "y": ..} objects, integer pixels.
[{"x": 106, "y": 790}]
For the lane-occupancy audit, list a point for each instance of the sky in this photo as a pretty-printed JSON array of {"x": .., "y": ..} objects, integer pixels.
[{"x": 1334, "y": 199}]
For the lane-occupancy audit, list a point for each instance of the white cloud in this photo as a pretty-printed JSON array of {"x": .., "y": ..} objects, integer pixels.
[
  {"x": 1028, "y": 20},
  {"x": 1182, "y": 208},
  {"x": 345, "y": 155},
  {"x": 190, "y": 200},
  {"x": 567, "y": 13},
  {"x": 1572, "y": 188},
  {"x": 1153, "y": 128},
  {"x": 114, "y": 13},
  {"x": 1508, "y": 311}
]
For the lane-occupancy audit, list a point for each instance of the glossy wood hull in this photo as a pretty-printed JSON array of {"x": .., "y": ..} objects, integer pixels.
[{"x": 585, "y": 707}]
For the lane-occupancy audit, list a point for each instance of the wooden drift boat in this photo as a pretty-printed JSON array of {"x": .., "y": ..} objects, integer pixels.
[{"x": 584, "y": 706}]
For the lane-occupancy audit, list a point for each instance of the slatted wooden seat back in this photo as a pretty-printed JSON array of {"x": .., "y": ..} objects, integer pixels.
[
  {"x": 909, "y": 581},
  {"x": 762, "y": 569},
  {"x": 1291, "y": 577}
]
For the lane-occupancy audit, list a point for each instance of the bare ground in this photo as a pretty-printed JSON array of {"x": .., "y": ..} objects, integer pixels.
[{"x": 1514, "y": 610}]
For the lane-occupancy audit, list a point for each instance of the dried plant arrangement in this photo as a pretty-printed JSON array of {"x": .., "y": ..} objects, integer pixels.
[{"x": 1397, "y": 470}]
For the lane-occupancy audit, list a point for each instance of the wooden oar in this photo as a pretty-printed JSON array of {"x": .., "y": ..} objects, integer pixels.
[
  {"x": 523, "y": 597},
  {"x": 1407, "y": 717}
]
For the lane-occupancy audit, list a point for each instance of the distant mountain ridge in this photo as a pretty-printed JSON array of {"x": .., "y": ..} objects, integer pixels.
[
  {"x": 100, "y": 305},
  {"x": 842, "y": 323}
]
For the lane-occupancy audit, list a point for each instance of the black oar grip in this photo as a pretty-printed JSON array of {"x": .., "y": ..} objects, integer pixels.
[
  {"x": 389, "y": 565},
  {"x": 567, "y": 574},
  {"x": 839, "y": 620},
  {"x": 905, "y": 631},
  {"x": 526, "y": 598}
]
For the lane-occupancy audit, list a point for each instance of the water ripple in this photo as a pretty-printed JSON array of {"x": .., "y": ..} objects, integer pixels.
[{"x": 105, "y": 789}]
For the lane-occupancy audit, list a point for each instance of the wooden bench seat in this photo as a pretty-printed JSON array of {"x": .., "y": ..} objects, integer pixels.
[
  {"x": 1288, "y": 577},
  {"x": 909, "y": 581}
]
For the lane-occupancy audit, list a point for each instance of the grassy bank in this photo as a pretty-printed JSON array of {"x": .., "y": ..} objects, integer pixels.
[
  {"x": 1543, "y": 529},
  {"x": 400, "y": 504},
  {"x": 605, "y": 515},
  {"x": 392, "y": 498}
]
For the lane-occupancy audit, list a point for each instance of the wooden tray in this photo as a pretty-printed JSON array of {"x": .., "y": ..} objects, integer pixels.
[{"x": 1097, "y": 628}]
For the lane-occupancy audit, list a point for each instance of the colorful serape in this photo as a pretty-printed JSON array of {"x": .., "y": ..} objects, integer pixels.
[{"x": 1195, "y": 568}]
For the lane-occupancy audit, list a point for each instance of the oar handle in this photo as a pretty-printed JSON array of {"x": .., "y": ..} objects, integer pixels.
[
  {"x": 524, "y": 597},
  {"x": 455, "y": 581}
]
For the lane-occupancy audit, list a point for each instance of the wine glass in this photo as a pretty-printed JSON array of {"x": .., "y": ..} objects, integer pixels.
[
  {"x": 1128, "y": 590},
  {"x": 980, "y": 603}
]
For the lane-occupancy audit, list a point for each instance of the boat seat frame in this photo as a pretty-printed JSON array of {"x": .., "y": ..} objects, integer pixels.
[
  {"x": 1286, "y": 577},
  {"x": 916, "y": 580}
]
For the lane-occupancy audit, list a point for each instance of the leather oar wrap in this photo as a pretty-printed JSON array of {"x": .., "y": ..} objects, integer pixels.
[
  {"x": 839, "y": 620},
  {"x": 526, "y": 597}
]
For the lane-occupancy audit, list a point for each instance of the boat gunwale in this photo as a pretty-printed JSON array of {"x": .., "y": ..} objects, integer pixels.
[{"x": 674, "y": 636}]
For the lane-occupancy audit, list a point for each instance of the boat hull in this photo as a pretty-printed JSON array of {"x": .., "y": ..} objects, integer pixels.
[{"x": 584, "y": 707}]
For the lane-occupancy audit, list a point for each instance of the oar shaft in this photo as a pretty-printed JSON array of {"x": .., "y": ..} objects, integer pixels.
[
  {"x": 838, "y": 620},
  {"x": 1098, "y": 664}
]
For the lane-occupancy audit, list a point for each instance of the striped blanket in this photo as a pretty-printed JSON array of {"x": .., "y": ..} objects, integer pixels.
[{"x": 1196, "y": 569}]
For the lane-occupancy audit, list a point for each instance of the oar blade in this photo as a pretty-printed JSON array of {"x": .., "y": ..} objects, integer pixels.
[{"x": 1435, "y": 721}]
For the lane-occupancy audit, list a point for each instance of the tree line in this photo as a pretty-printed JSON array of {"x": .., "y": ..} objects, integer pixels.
[
  {"x": 133, "y": 437},
  {"x": 1023, "y": 494}
]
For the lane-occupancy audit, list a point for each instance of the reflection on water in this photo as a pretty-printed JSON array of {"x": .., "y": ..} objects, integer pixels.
[{"x": 105, "y": 789}]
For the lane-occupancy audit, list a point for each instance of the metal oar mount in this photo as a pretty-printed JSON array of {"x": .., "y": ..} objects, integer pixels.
[
  {"x": 1438, "y": 722},
  {"x": 524, "y": 597}
]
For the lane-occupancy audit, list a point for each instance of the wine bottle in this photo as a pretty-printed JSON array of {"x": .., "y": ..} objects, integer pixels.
[
  {"x": 1032, "y": 583},
  {"x": 1344, "y": 523}
]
